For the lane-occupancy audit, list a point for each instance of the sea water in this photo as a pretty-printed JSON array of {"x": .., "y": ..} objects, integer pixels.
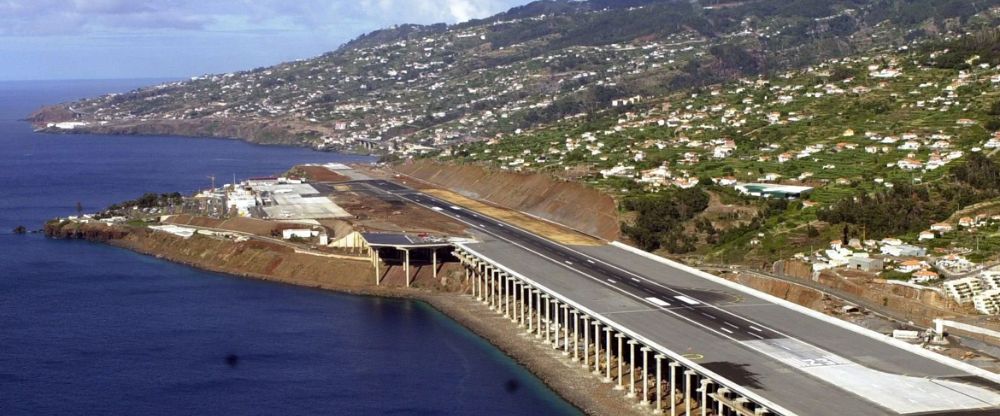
[{"x": 87, "y": 328}]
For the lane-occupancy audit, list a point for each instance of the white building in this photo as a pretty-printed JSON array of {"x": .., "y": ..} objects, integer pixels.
[
  {"x": 987, "y": 302},
  {"x": 991, "y": 278},
  {"x": 964, "y": 289},
  {"x": 289, "y": 234}
]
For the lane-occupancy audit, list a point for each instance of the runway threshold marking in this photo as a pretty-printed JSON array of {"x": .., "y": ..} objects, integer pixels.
[
  {"x": 687, "y": 300},
  {"x": 657, "y": 301}
]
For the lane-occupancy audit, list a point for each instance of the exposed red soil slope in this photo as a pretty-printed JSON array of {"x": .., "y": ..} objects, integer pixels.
[{"x": 569, "y": 203}]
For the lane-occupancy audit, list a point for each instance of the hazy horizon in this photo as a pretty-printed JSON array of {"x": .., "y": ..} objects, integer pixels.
[{"x": 49, "y": 40}]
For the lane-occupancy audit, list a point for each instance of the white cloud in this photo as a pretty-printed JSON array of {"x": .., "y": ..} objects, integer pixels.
[{"x": 41, "y": 17}]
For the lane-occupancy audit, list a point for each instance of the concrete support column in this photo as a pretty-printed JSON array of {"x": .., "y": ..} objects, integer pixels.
[
  {"x": 434, "y": 262},
  {"x": 505, "y": 295},
  {"x": 555, "y": 322},
  {"x": 597, "y": 348},
  {"x": 477, "y": 284},
  {"x": 406, "y": 266},
  {"x": 548, "y": 319},
  {"x": 522, "y": 289},
  {"x": 720, "y": 394},
  {"x": 514, "y": 292},
  {"x": 645, "y": 375},
  {"x": 378, "y": 280},
  {"x": 538, "y": 312},
  {"x": 586, "y": 342},
  {"x": 531, "y": 309},
  {"x": 607, "y": 354},
  {"x": 704, "y": 396},
  {"x": 484, "y": 286},
  {"x": 673, "y": 380},
  {"x": 516, "y": 314},
  {"x": 631, "y": 368},
  {"x": 659, "y": 384},
  {"x": 576, "y": 336},
  {"x": 621, "y": 356},
  {"x": 494, "y": 289},
  {"x": 467, "y": 280},
  {"x": 565, "y": 328},
  {"x": 687, "y": 392}
]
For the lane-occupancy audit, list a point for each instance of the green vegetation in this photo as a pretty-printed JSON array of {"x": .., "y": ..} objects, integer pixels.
[
  {"x": 660, "y": 218},
  {"x": 149, "y": 200}
]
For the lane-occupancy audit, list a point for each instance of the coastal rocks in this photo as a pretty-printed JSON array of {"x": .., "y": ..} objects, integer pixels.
[
  {"x": 85, "y": 231},
  {"x": 251, "y": 130},
  {"x": 51, "y": 114}
]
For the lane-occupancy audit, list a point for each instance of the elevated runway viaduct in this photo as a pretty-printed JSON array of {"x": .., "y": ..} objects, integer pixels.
[{"x": 685, "y": 342}]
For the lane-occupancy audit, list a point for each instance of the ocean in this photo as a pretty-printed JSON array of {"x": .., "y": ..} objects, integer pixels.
[{"x": 87, "y": 328}]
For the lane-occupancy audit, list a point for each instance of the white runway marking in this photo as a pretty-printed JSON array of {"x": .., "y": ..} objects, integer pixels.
[
  {"x": 687, "y": 300},
  {"x": 657, "y": 301}
]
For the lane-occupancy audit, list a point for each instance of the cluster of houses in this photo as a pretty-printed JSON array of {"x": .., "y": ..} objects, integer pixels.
[
  {"x": 954, "y": 274},
  {"x": 373, "y": 95},
  {"x": 672, "y": 143}
]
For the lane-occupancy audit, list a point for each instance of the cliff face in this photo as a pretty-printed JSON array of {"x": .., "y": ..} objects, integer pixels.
[
  {"x": 568, "y": 203},
  {"x": 249, "y": 258},
  {"x": 90, "y": 232}
]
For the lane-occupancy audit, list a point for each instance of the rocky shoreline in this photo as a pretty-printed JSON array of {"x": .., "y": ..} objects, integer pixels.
[
  {"x": 265, "y": 132},
  {"x": 573, "y": 383}
]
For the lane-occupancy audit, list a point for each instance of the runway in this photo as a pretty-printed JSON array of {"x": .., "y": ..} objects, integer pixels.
[{"x": 807, "y": 365}]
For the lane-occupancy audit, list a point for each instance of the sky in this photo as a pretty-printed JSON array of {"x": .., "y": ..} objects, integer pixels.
[{"x": 117, "y": 39}]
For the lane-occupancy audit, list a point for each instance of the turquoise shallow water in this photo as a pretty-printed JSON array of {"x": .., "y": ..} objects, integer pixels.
[{"x": 90, "y": 329}]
